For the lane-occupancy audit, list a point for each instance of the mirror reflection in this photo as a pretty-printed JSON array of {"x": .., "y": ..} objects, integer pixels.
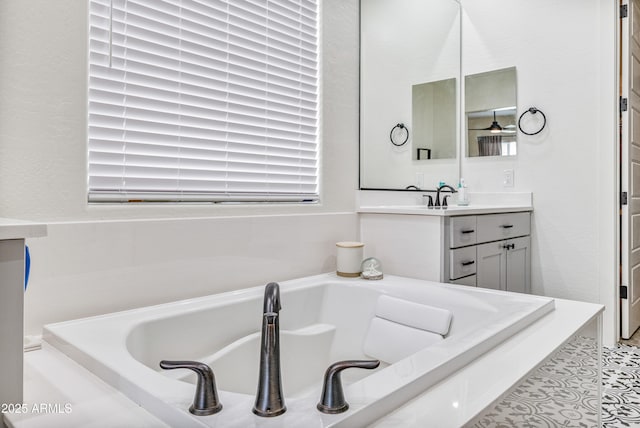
[
  {"x": 434, "y": 120},
  {"x": 490, "y": 113},
  {"x": 409, "y": 75}
]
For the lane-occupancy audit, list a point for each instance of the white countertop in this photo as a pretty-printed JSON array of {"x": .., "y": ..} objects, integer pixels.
[
  {"x": 59, "y": 393},
  {"x": 19, "y": 229},
  {"x": 448, "y": 212},
  {"x": 53, "y": 378},
  {"x": 413, "y": 203}
]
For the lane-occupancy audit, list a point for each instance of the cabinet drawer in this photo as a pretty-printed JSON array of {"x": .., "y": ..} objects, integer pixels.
[
  {"x": 462, "y": 262},
  {"x": 492, "y": 227},
  {"x": 462, "y": 231}
]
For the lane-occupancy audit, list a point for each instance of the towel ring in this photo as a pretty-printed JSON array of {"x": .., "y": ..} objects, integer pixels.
[
  {"x": 406, "y": 138},
  {"x": 533, "y": 110}
]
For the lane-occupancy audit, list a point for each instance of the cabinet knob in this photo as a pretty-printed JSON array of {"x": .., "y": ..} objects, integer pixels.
[
  {"x": 467, "y": 231},
  {"x": 509, "y": 246},
  {"x": 506, "y": 226},
  {"x": 469, "y": 263}
]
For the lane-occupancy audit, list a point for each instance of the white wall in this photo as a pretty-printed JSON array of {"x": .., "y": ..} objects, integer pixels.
[
  {"x": 98, "y": 259},
  {"x": 564, "y": 53},
  {"x": 84, "y": 269}
]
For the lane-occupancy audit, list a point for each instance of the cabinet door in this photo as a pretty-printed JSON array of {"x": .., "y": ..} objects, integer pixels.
[
  {"x": 519, "y": 265},
  {"x": 491, "y": 270}
]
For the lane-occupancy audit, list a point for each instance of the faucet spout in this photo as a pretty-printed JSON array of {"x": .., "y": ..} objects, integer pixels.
[
  {"x": 444, "y": 200},
  {"x": 271, "y": 301},
  {"x": 269, "y": 398}
]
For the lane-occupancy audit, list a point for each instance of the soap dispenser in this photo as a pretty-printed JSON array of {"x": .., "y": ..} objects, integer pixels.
[{"x": 463, "y": 196}]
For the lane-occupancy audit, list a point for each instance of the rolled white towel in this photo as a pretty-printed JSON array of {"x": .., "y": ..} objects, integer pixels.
[{"x": 416, "y": 315}]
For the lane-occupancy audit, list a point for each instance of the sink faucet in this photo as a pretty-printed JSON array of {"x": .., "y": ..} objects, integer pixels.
[
  {"x": 444, "y": 197},
  {"x": 269, "y": 398}
]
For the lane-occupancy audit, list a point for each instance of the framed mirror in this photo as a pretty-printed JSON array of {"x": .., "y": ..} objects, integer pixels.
[
  {"x": 490, "y": 113},
  {"x": 409, "y": 93}
]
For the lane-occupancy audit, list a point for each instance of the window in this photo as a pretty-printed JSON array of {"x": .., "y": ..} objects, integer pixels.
[{"x": 210, "y": 100}]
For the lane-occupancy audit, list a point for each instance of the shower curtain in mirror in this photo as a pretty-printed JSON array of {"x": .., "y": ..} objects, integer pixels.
[{"x": 490, "y": 145}]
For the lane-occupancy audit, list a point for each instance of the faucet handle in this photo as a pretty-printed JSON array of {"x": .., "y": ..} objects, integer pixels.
[
  {"x": 444, "y": 202},
  {"x": 206, "y": 400},
  {"x": 429, "y": 200},
  {"x": 332, "y": 400}
]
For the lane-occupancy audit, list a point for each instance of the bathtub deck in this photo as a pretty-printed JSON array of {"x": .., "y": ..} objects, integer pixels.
[{"x": 51, "y": 377}]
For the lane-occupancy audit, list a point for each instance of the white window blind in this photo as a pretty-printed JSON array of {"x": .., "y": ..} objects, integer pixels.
[{"x": 208, "y": 100}]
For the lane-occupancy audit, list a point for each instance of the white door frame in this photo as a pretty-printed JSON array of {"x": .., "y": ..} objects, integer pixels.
[{"x": 629, "y": 137}]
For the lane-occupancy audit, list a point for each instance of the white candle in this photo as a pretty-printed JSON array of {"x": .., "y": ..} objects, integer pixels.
[{"x": 349, "y": 258}]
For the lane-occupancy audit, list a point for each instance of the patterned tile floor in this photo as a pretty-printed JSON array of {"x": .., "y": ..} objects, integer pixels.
[
  {"x": 563, "y": 391},
  {"x": 633, "y": 340},
  {"x": 621, "y": 378}
]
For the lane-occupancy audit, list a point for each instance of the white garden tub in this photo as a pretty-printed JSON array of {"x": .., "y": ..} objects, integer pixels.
[{"x": 323, "y": 319}]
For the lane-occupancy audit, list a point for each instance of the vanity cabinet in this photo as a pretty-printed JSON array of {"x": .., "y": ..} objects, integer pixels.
[
  {"x": 12, "y": 288},
  {"x": 489, "y": 251}
]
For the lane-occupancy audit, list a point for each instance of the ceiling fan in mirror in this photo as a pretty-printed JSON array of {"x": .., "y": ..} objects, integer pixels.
[{"x": 495, "y": 127}]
